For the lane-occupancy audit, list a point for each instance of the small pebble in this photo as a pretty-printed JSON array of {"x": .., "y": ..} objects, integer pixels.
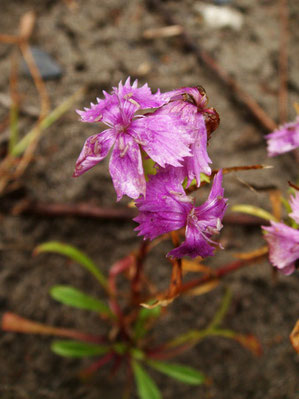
[
  {"x": 48, "y": 68},
  {"x": 221, "y": 2}
]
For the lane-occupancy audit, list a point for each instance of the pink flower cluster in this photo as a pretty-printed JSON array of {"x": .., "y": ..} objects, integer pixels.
[
  {"x": 283, "y": 241},
  {"x": 172, "y": 130},
  {"x": 283, "y": 139}
]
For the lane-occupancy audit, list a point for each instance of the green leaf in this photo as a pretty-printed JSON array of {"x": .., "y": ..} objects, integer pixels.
[
  {"x": 72, "y": 297},
  {"x": 182, "y": 373},
  {"x": 143, "y": 316},
  {"x": 68, "y": 348},
  {"x": 254, "y": 210},
  {"x": 74, "y": 254},
  {"x": 205, "y": 178},
  {"x": 146, "y": 387}
]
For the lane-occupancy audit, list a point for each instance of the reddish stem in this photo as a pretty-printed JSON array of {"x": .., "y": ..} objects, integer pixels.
[
  {"x": 96, "y": 365},
  {"x": 218, "y": 274},
  {"x": 159, "y": 354},
  {"x": 137, "y": 279}
]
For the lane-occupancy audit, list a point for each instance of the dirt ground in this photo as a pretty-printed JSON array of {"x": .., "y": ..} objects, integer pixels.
[{"x": 97, "y": 46}]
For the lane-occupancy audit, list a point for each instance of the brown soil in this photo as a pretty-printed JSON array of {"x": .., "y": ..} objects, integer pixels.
[{"x": 97, "y": 46}]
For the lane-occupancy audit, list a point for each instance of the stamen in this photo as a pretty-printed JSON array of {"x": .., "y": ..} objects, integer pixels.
[
  {"x": 128, "y": 95},
  {"x": 98, "y": 118},
  {"x": 121, "y": 143},
  {"x": 97, "y": 148},
  {"x": 140, "y": 142},
  {"x": 123, "y": 153},
  {"x": 181, "y": 197},
  {"x": 134, "y": 102},
  {"x": 93, "y": 139}
]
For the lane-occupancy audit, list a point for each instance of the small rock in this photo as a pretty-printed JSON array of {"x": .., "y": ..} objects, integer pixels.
[
  {"x": 221, "y": 2},
  {"x": 220, "y": 17},
  {"x": 48, "y": 68}
]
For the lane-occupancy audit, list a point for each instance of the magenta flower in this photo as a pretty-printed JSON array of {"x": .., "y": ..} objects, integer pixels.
[
  {"x": 284, "y": 139},
  {"x": 164, "y": 137},
  {"x": 294, "y": 202},
  {"x": 283, "y": 244},
  {"x": 190, "y": 103},
  {"x": 166, "y": 208}
]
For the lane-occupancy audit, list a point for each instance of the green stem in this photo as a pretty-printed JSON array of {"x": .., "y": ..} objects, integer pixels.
[
  {"x": 194, "y": 336},
  {"x": 221, "y": 312},
  {"x": 52, "y": 117},
  {"x": 14, "y": 131}
]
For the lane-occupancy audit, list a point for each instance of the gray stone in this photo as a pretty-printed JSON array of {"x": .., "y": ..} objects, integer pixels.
[{"x": 48, "y": 68}]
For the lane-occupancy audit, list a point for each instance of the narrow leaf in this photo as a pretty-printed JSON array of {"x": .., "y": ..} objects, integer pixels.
[
  {"x": 142, "y": 320},
  {"x": 252, "y": 254},
  {"x": 146, "y": 387},
  {"x": 203, "y": 288},
  {"x": 254, "y": 210},
  {"x": 179, "y": 372},
  {"x": 74, "y": 254},
  {"x": 221, "y": 312},
  {"x": 15, "y": 323},
  {"x": 69, "y": 348},
  {"x": 195, "y": 266},
  {"x": 72, "y": 297}
]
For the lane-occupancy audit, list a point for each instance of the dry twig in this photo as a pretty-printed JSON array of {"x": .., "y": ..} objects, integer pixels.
[
  {"x": 205, "y": 58},
  {"x": 283, "y": 62}
]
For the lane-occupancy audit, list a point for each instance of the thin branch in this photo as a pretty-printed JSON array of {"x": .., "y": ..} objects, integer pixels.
[
  {"x": 84, "y": 209},
  {"x": 283, "y": 61},
  {"x": 220, "y": 273},
  {"x": 205, "y": 58}
]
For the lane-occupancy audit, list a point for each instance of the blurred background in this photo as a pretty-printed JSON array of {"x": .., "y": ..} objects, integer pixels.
[{"x": 245, "y": 54}]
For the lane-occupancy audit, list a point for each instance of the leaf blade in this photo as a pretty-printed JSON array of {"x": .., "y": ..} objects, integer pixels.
[
  {"x": 78, "y": 349},
  {"x": 70, "y": 296},
  {"x": 254, "y": 210},
  {"x": 146, "y": 387},
  {"x": 74, "y": 254},
  {"x": 182, "y": 373}
]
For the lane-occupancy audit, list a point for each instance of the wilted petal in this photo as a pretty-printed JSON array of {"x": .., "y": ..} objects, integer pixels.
[
  {"x": 283, "y": 244},
  {"x": 164, "y": 138},
  {"x": 126, "y": 168},
  {"x": 94, "y": 150},
  {"x": 189, "y": 103},
  {"x": 195, "y": 96},
  {"x": 199, "y": 161},
  {"x": 284, "y": 139}
]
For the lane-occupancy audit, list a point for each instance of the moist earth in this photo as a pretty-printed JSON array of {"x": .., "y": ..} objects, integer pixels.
[{"x": 96, "y": 46}]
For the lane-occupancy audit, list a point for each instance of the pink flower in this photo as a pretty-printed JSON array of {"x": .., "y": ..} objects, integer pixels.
[
  {"x": 284, "y": 139},
  {"x": 283, "y": 244},
  {"x": 166, "y": 208},
  {"x": 190, "y": 103},
  {"x": 294, "y": 202},
  {"x": 164, "y": 137}
]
